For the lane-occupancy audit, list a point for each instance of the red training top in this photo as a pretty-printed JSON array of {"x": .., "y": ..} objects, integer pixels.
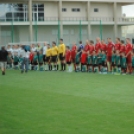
[
  {"x": 122, "y": 49},
  {"x": 86, "y": 48},
  {"x": 83, "y": 58},
  {"x": 97, "y": 47},
  {"x": 91, "y": 49},
  {"x": 129, "y": 48},
  {"x": 117, "y": 47},
  {"x": 31, "y": 56},
  {"x": 104, "y": 47},
  {"x": 68, "y": 56},
  {"x": 110, "y": 48},
  {"x": 73, "y": 51}
]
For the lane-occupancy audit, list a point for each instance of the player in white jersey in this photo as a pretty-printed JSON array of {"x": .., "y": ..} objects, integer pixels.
[
  {"x": 13, "y": 50},
  {"x": 33, "y": 48},
  {"x": 16, "y": 50},
  {"x": 19, "y": 49},
  {"x": 9, "y": 48}
]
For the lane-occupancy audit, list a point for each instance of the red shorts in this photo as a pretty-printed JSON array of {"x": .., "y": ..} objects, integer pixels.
[
  {"x": 129, "y": 59},
  {"x": 73, "y": 60},
  {"x": 109, "y": 58},
  {"x": 73, "y": 54},
  {"x": 83, "y": 60}
]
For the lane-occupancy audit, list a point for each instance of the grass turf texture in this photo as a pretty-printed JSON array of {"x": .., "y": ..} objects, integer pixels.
[{"x": 66, "y": 103}]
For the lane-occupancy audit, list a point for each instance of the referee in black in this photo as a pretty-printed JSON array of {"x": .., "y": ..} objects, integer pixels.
[{"x": 3, "y": 60}]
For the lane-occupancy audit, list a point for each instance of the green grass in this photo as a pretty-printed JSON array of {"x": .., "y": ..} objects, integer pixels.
[{"x": 66, "y": 103}]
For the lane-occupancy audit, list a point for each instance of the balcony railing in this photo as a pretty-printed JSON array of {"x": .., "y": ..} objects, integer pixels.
[
  {"x": 126, "y": 19},
  {"x": 9, "y": 19},
  {"x": 42, "y": 19}
]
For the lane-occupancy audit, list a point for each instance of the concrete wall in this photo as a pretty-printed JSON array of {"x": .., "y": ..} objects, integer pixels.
[
  {"x": 51, "y": 9},
  {"x": 70, "y": 5},
  {"x": 119, "y": 10},
  {"x": 105, "y": 9}
]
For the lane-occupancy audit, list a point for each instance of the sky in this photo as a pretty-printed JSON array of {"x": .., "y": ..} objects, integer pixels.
[{"x": 128, "y": 10}]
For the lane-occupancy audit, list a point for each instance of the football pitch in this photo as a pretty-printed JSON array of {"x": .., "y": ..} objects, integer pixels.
[{"x": 66, "y": 103}]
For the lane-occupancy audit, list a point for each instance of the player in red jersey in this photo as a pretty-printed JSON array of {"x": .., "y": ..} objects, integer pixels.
[
  {"x": 110, "y": 49},
  {"x": 103, "y": 46},
  {"x": 84, "y": 56},
  {"x": 117, "y": 55},
  {"x": 117, "y": 45},
  {"x": 31, "y": 56},
  {"x": 122, "y": 54},
  {"x": 97, "y": 45},
  {"x": 133, "y": 47},
  {"x": 73, "y": 54},
  {"x": 68, "y": 58},
  {"x": 86, "y": 47},
  {"x": 91, "y": 51},
  {"x": 122, "y": 47},
  {"x": 129, "y": 49},
  {"x": 85, "y": 53},
  {"x": 98, "y": 48},
  {"x": 83, "y": 61},
  {"x": 91, "y": 48}
]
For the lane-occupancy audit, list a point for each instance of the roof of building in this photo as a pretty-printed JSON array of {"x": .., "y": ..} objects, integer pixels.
[{"x": 108, "y": 1}]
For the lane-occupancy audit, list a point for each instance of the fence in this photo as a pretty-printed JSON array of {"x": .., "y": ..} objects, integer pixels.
[
  {"x": 42, "y": 19},
  {"x": 73, "y": 31}
]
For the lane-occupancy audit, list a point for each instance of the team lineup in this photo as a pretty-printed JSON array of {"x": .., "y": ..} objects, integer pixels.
[{"x": 98, "y": 57}]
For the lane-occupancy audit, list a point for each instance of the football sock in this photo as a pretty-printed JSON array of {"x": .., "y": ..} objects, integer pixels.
[
  {"x": 57, "y": 67},
  {"x": 64, "y": 66},
  {"x": 61, "y": 66},
  {"x": 54, "y": 67},
  {"x": 49, "y": 67}
]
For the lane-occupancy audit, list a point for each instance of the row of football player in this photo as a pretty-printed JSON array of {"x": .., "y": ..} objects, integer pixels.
[
  {"x": 91, "y": 63},
  {"x": 111, "y": 50}
]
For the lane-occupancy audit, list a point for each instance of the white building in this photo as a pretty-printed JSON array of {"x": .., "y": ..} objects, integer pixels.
[{"x": 72, "y": 20}]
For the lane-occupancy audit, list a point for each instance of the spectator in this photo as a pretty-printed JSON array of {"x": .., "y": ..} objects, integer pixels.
[{"x": 25, "y": 56}]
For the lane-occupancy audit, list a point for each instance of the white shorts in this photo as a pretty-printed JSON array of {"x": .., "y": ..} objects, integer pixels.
[{"x": 3, "y": 64}]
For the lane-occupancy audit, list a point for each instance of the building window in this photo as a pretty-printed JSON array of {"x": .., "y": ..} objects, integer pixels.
[
  {"x": 75, "y": 9},
  {"x": 38, "y": 12},
  {"x": 96, "y": 10},
  {"x": 64, "y": 9},
  {"x": 78, "y": 9}
]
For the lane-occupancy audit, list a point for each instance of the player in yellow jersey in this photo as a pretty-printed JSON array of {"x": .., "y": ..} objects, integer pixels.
[
  {"x": 62, "y": 49},
  {"x": 48, "y": 57},
  {"x": 54, "y": 57}
]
